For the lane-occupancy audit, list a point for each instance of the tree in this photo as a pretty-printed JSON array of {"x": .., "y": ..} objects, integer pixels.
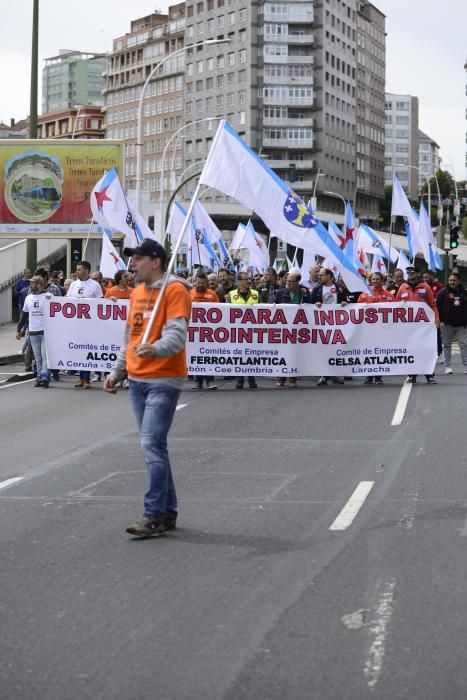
[{"x": 445, "y": 182}]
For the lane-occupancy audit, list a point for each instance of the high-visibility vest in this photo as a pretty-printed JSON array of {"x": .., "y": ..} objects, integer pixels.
[{"x": 234, "y": 297}]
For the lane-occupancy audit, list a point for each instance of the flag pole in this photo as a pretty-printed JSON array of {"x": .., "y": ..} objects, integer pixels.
[
  {"x": 171, "y": 264},
  {"x": 87, "y": 238},
  {"x": 132, "y": 222},
  {"x": 390, "y": 241}
]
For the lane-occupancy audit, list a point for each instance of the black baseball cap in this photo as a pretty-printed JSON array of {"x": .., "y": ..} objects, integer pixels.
[
  {"x": 411, "y": 268},
  {"x": 148, "y": 248}
]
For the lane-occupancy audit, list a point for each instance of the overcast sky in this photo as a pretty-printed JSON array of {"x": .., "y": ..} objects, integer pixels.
[{"x": 426, "y": 53}]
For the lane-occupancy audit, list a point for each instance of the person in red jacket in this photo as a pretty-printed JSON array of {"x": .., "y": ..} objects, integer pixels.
[
  {"x": 434, "y": 285},
  {"x": 377, "y": 295},
  {"x": 415, "y": 290}
]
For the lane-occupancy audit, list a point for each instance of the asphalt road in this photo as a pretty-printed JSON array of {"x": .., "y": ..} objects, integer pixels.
[{"x": 255, "y": 596}]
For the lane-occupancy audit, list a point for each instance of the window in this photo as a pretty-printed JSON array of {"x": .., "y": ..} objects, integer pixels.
[{"x": 242, "y": 56}]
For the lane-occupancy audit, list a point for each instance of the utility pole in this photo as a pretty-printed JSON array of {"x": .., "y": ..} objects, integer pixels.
[{"x": 31, "y": 249}]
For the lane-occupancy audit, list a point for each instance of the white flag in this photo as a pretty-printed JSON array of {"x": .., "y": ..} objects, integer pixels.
[
  {"x": 204, "y": 221},
  {"x": 378, "y": 265},
  {"x": 257, "y": 250},
  {"x": 403, "y": 263},
  {"x": 109, "y": 199},
  {"x": 237, "y": 240},
  {"x": 234, "y": 169},
  {"x": 111, "y": 261}
]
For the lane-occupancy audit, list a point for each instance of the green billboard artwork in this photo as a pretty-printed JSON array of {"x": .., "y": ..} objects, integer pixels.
[{"x": 33, "y": 186}]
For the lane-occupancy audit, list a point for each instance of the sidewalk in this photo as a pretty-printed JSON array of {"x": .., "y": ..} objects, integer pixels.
[{"x": 10, "y": 348}]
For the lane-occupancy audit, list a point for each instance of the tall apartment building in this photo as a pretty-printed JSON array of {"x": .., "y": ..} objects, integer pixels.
[
  {"x": 134, "y": 55},
  {"x": 72, "y": 78},
  {"x": 429, "y": 160},
  {"x": 401, "y": 148},
  {"x": 371, "y": 52},
  {"x": 287, "y": 82}
]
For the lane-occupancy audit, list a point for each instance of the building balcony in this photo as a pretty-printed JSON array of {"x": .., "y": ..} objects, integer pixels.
[
  {"x": 278, "y": 121},
  {"x": 300, "y": 60},
  {"x": 288, "y": 80},
  {"x": 288, "y": 101},
  {"x": 284, "y": 164},
  {"x": 299, "y": 38},
  {"x": 288, "y": 143},
  {"x": 302, "y": 17}
]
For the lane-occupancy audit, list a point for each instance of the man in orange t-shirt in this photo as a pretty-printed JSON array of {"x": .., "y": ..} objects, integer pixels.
[
  {"x": 156, "y": 372},
  {"x": 121, "y": 289},
  {"x": 201, "y": 294},
  {"x": 377, "y": 295},
  {"x": 415, "y": 290}
]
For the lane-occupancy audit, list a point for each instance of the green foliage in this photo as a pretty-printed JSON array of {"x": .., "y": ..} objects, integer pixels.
[{"x": 464, "y": 227}]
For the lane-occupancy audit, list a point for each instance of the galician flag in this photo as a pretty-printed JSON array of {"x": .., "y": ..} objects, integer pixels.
[
  {"x": 204, "y": 221},
  {"x": 237, "y": 240},
  {"x": 225, "y": 256},
  {"x": 372, "y": 243},
  {"x": 111, "y": 261},
  {"x": 378, "y": 265},
  {"x": 257, "y": 250},
  {"x": 400, "y": 206},
  {"x": 234, "y": 169},
  {"x": 429, "y": 247},
  {"x": 403, "y": 263},
  {"x": 109, "y": 200}
]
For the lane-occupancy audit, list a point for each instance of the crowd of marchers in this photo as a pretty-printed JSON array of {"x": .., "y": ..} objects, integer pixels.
[
  {"x": 320, "y": 287},
  {"x": 449, "y": 304}
]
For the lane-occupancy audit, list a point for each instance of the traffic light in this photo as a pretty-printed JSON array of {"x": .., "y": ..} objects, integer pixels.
[{"x": 454, "y": 237}]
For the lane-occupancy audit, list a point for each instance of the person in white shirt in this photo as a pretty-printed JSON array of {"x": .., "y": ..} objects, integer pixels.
[
  {"x": 84, "y": 288},
  {"x": 33, "y": 312}
]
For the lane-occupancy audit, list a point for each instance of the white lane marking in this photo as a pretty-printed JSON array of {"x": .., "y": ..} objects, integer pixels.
[
  {"x": 10, "y": 482},
  {"x": 181, "y": 405},
  {"x": 352, "y": 507},
  {"x": 379, "y": 630},
  {"x": 402, "y": 401},
  {"x": 26, "y": 381}
]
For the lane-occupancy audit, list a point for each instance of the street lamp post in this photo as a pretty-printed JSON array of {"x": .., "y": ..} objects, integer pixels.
[
  {"x": 174, "y": 135},
  {"x": 139, "y": 126},
  {"x": 335, "y": 194},
  {"x": 314, "y": 204},
  {"x": 78, "y": 107},
  {"x": 192, "y": 165}
]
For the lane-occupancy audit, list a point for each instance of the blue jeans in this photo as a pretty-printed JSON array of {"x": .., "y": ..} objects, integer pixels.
[
  {"x": 86, "y": 376},
  {"x": 154, "y": 406},
  {"x": 38, "y": 348}
]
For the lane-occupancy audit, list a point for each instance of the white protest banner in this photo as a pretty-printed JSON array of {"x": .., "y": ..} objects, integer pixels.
[
  {"x": 355, "y": 340},
  {"x": 259, "y": 340},
  {"x": 83, "y": 334}
]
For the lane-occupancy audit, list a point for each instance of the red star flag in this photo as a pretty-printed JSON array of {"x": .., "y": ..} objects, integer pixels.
[{"x": 110, "y": 259}]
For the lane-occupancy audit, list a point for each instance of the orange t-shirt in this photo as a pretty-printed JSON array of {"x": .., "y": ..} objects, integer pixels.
[
  {"x": 208, "y": 297},
  {"x": 375, "y": 297},
  {"x": 422, "y": 292},
  {"x": 176, "y": 303},
  {"x": 118, "y": 293}
]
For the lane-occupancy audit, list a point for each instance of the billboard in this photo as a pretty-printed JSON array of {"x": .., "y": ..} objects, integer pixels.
[{"x": 45, "y": 185}]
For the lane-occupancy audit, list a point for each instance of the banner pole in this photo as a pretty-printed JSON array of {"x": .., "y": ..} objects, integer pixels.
[{"x": 171, "y": 264}]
